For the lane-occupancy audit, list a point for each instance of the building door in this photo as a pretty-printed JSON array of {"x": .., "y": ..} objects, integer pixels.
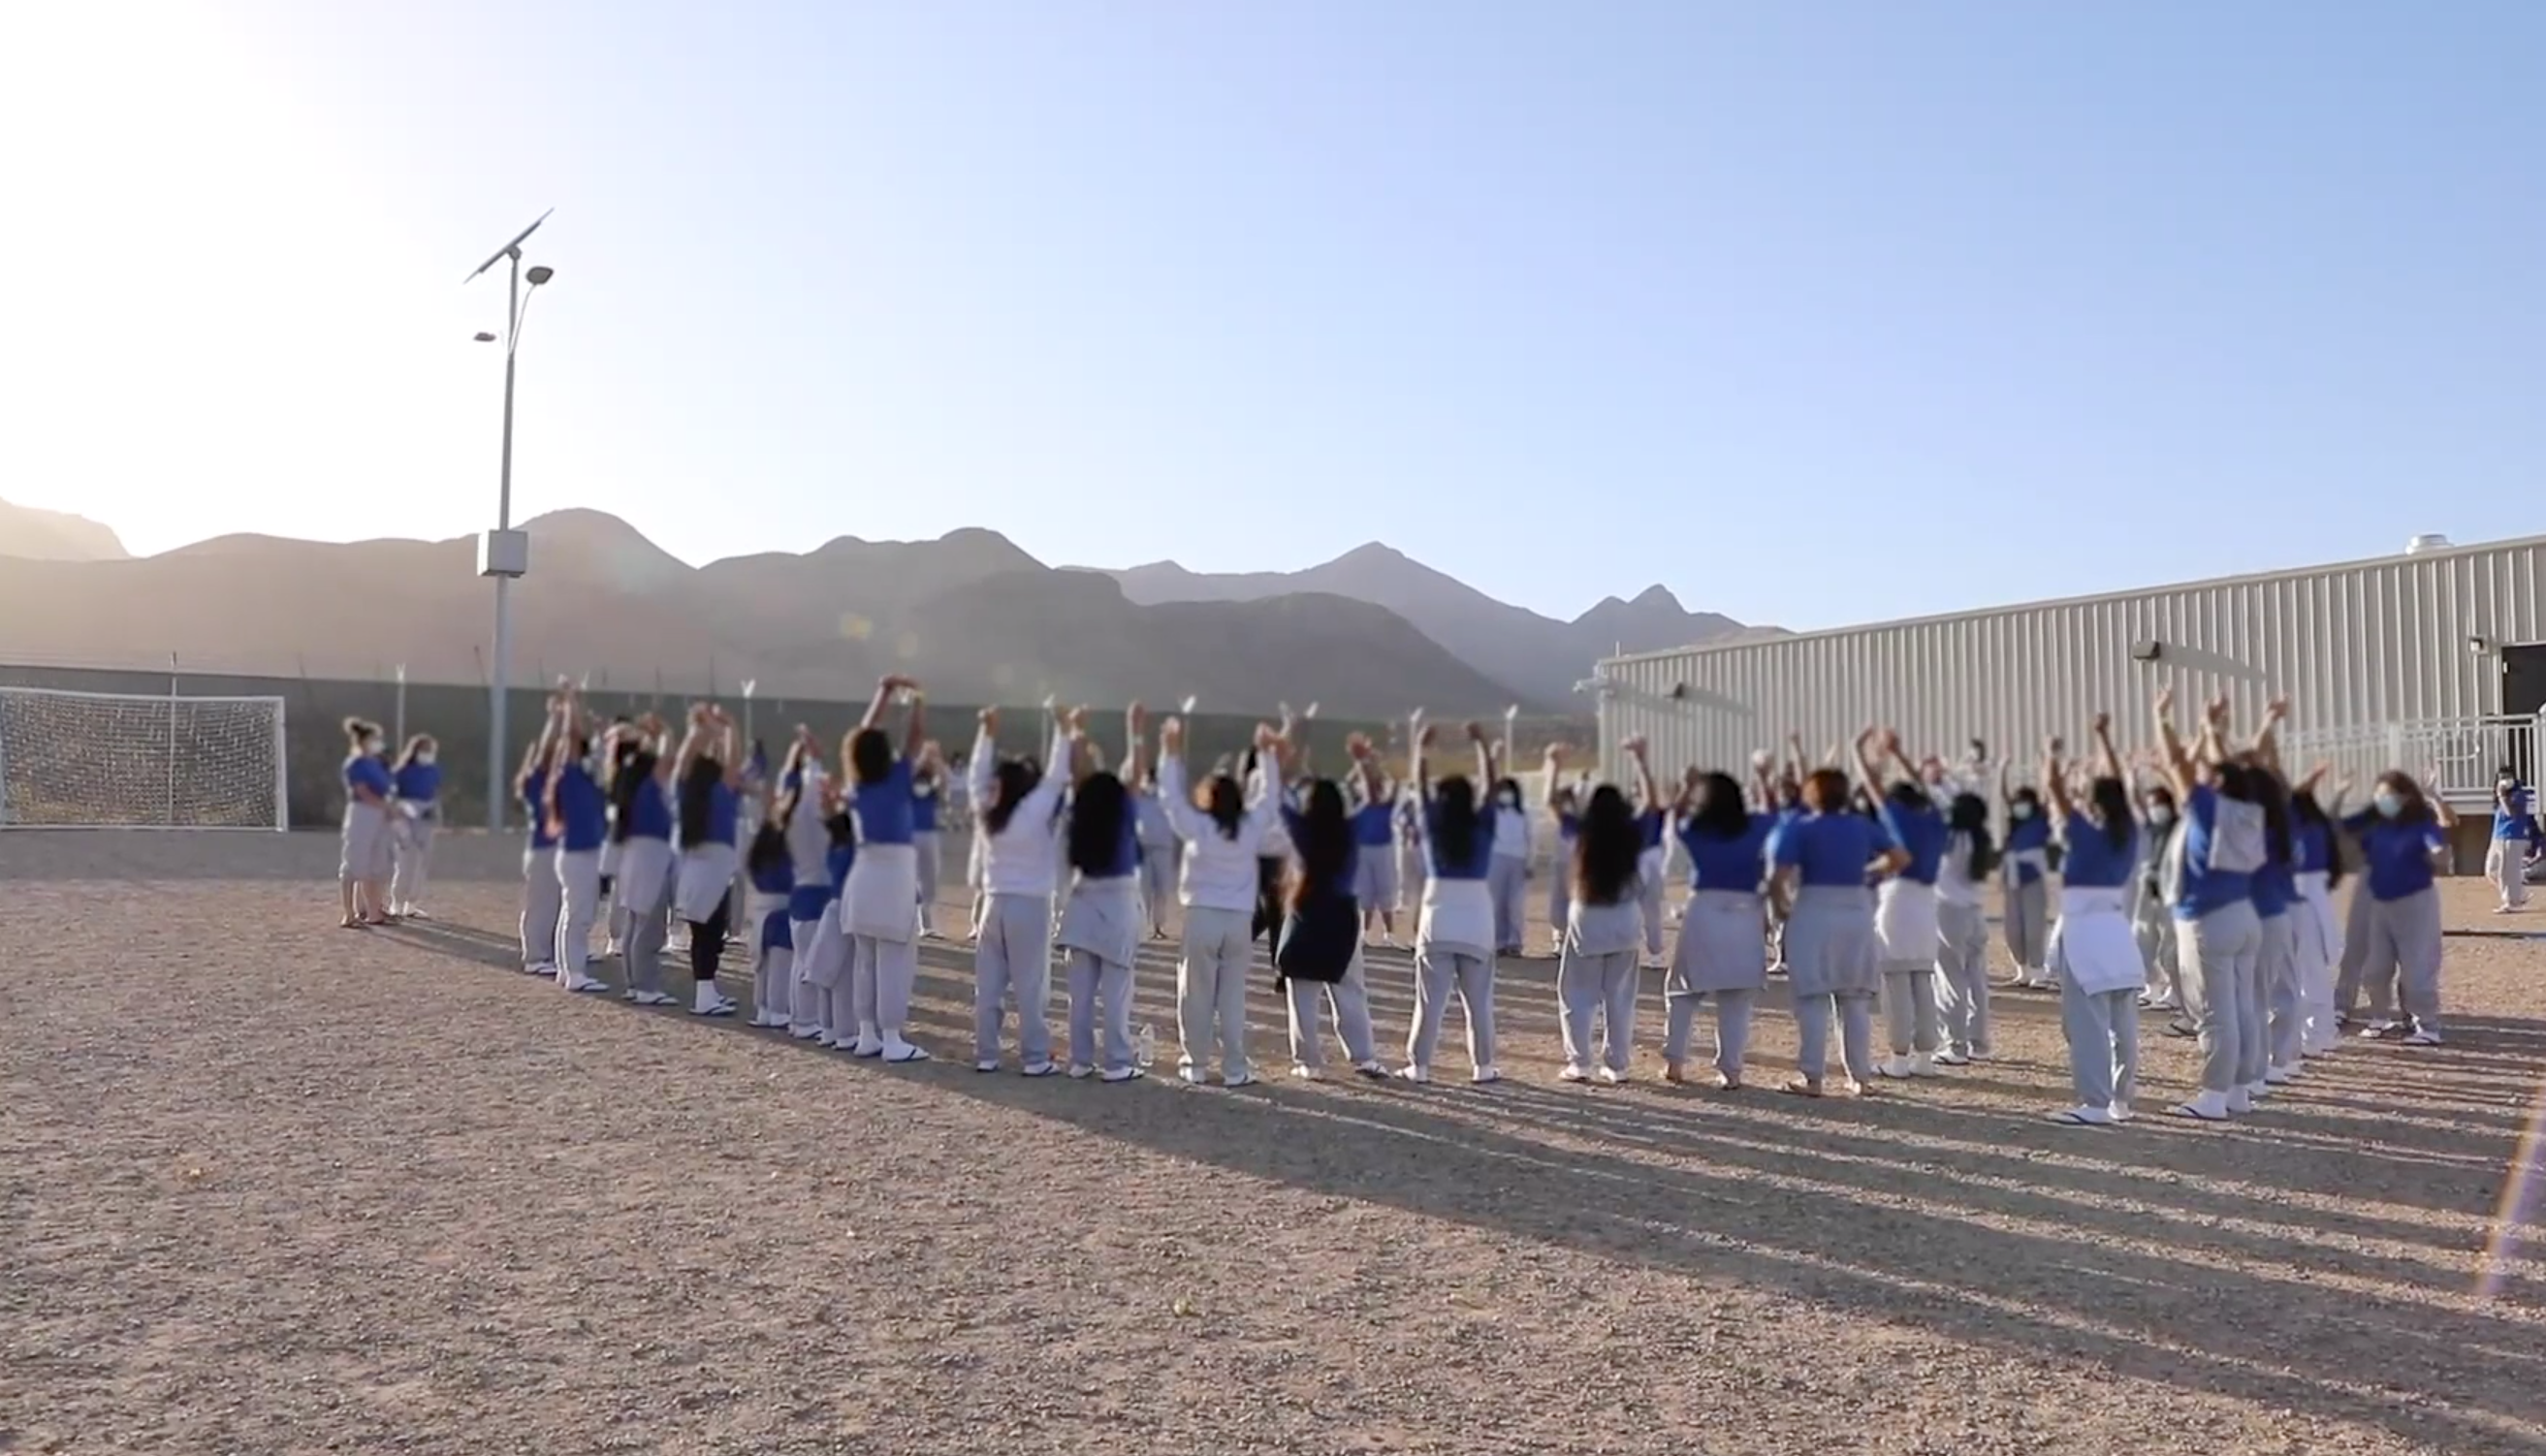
[{"x": 2523, "y": 694}]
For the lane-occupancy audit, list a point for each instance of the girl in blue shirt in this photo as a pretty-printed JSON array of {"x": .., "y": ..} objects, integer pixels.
[
  {"x": 578, "y": 820},
  {"x": 415, "y": 810},
  {"x": 1319, "y": 903},
  {"x": 2506, "y": 861},
  {"x": 2317, "y": 870},
  {"x": 2094, "y": 949},
  {"x": 927, "y": 803},
  {"x": 1102, "y": 912},
  {"x": 1906, "y": 927},
  {"x": 2026, "y": 859},
  {"x": 1377, "y": 883},
  {"x": 1454, "y": 934},
  {"x": 2269, "y": 1054},
  {"x": 641, "y": 824},
  {"x": 363, "y": 867},
  {"x": 540, "y": 898},
  {"x": 770, "y": 867},
  {"x": 1829, "y": 854},
  {"x": 2403, "y": 838},
  {"x": 1720, "y": 952},
  {"x": 884, "y": 882},
  {"x": 2217, "y": 935},
  {"x": 707, "y": 775}
]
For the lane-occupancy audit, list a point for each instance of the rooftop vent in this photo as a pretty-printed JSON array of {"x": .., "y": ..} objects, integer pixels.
[{"x": 2426, "y": 543}]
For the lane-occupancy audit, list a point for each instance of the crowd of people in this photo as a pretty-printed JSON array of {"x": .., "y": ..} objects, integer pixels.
[{"x": 2198, "y": 882}]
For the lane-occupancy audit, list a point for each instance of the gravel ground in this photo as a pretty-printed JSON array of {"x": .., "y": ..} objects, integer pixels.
[{"x": 270, "y": 1186}]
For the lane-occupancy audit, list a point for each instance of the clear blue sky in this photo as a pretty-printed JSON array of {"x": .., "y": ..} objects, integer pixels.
[{"x": 1814, "y": 312}]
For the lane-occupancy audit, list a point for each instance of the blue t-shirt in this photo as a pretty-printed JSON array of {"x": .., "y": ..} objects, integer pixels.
[
  {"x": 1921, "y": 834},
  {"x": 836, "y": 862},
  {"x": 1736, "y": 862},
  {"x": 1650, "y": 826},
  {"x": 365, "y": 771},
  {"x": 421, "y": 781},
  {"x": 725, "y": 813},
  {"x": 2023, "y": 835},
  {"x": 535, "y": 796},
  {"x": 2092, "y": 861},
  {"x": 2204, "y": 889},
  {"x": 1480, "y": 847},
  {"x": 2396, "y": 854},
  {"x": 582, "y": 811},
  {"x": 1830, "y": 849},
  {"x": 1374, "y": 826},
  {"x": 2275, "y": 885},
  {"x": 1568, "y": 825},
  {"x": 650, "y": 815},
  {"x": 886, "y": 812},
  {"x": 924, "y": 807},
  {"x": 2510, "y": 818},
  {"x": 2311, "y": 849},
  {"x": 778, "y": 877},
  {"x": 1296, "y": 824}
]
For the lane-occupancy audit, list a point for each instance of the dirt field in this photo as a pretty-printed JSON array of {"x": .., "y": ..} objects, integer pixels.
[{"x": 269, "y": 1186}]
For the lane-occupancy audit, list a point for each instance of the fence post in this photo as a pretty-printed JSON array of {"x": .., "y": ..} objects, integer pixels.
[
  {"x": 398, "y": 735},
  {"x": 172, "y": 740}
]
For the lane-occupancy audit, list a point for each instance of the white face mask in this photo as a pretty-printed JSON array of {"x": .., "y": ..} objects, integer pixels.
[
  {"x": 424, "y": 756},
  {"x": 1511, "y": 800},
  {"x": 2161, "y": 815},
  {"x": 2390, "y": 805},
  {"x": 2506, "y": 785},
  {"x": 372, "y": 743},
  {"x": 2020, "y": 812}
]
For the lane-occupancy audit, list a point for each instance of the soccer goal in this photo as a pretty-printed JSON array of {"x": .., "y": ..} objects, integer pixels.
[{"x": 112, "y": 760}]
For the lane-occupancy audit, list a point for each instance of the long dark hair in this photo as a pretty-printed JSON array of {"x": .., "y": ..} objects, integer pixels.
[
  {"x": 1223, "y": 800},
  {"x": 1721, "y": 812},
  {"x": 2304, "y": 810},
  {"x": 1322, "y": 845},
  {"x": 1096, "y": 810},
  {"x": 2273, "y": 797},
  {"x": 1013, "y": 780},
  {"x": 1606, "y": 846},
  {"x": 2112, "y": 800},
  {"x": 768, "y": 847},
  {"x": 1454, "y": 819},
  {"x": 698, "y": 798},
  {"x": 1969, "y": 817},
  {"x": 871, "y": 755},
  {"x": 632, "y": 764}
]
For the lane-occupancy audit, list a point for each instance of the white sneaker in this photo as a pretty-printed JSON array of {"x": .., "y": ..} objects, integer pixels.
[
  {"x": 1306, "y": 1073},
  {"x": 868, "y": 1044},
  {"x": 1120, "y": 1073},
  {"x": 2240, "y": 1100},
  {"x": 1080, "y": 1072},
  {"x": 653, "y": 998},
  {"x": 2257, "y": 1091},
  {"x": 1922, "y": 1064},
  {"x": 1191, "y": 1075},
  {"x": 1612, "y": 1075},
  {"x": 2205, "y": 1106},
  {"x": 1951, "y": 1058},
  {"x": 2423, "y": 1036},
  {"x": 1573, "y": 1071},
  {"x": 2121, "y": 1112},
  {"x": 1484, "y": 1074},
  {"x": 1044, "y": 1067},
  {"x": 1895, "y": 1067},
  {"x": 808, "y": 1033},
  {"x": 586, "y": 986},
  {"x": 2278, "y": 1076},
  {"x": 2084, "y": 1117},
  {"x": 1242, "y": 1079},
  {"x": 897, "y": 1051},
  {"x": 991, "y": 1064},
  {"x": 1416, "y": 1075},
  {"x": 1374, "y": 1067}
]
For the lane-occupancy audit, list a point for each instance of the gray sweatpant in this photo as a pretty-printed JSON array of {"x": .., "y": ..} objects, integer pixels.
[
  {"x": 578, "y": 875},
  {"x": 1098, "y": 986},
  {"x": 2355, "y": 952},
  {"x": 1602, "y": 985},
  {"x": 1507, "y": 880},
  {"x": 2283, "y": 1020},
  {"x": 2217, "y": 959},
  {"x": 1732, "y": 1027},
  {"x": 1909, "y": 1010},
  {"x": 1348, "y": 1000},
  {"x": 2401, "y": 951},
  {"x": 2103, "y": 1029},
  {"x": 1962, "y": 987},
  {"x": 2029, "y": 925},
  {"x": 1013, "y": 960},
  {"x": 1438, "y": 973},
  {"x": 1211, "y": 989},
  {"x": 542, "y": 901},
  {"x": 1856, "y": 1012}
]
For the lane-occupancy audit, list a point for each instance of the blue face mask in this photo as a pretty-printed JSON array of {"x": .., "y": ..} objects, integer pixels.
[{"x": 2390, "y": 805}]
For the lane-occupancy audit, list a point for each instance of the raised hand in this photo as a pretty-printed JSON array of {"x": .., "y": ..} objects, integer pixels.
[
  {"x": 1476, "y": 731},
  {"x": 2218, "y": 710},
  {"x": 1357, "y": 746},
  {"x": 2103, "y": 724},
  {"x": 2165, "y": 699},
  {"x": 1172, "y": 736},
  {"x": 1424, "y": 735},
  {"x": 2277, "y": 710},
  {"x": 1556, "y": 753},
  {"x": 989, "y": 719},
  {"x": 1139, "y": 718}
]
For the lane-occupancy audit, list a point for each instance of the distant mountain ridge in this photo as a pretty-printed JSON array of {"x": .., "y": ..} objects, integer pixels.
[
  {"x": 971, "y": 614},
  {"x": 1539, "y": 657},
  {"x": 35, "y": 535}
]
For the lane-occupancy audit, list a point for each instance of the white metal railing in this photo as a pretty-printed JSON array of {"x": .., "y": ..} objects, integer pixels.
[{"x": 2460, "y": 755}]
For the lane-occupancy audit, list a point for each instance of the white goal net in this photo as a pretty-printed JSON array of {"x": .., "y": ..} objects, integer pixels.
[{"x": 108, "y": 761}]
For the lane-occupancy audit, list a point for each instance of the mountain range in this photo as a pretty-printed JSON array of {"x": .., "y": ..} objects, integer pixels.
[{"x": 1370, "y": 634}]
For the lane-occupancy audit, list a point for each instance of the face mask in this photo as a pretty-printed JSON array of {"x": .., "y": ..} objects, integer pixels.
[
  {"x": 2390, "y": 805},
  {"x": 371, "y": 746},
  {"x": 2506, "y": 785},
  {"x": 424, "y": 756},
  {"x": 2020, "y": 812},
  {"x": 2161, "y": 815},
  {"x": 1511, "y": 800}
]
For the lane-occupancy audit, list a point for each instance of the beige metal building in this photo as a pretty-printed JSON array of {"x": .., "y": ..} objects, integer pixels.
[{"x": 2433, "y": 658}]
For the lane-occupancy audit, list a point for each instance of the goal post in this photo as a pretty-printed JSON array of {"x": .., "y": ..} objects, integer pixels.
[{"x": 71, "y": 761}]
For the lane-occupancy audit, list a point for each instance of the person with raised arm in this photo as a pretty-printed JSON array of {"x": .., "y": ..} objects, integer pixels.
[
  {"x": 1597, "y": 976},
  {"x": 1453, "y": 935},
  {"x": 1377, "y": 883},
  {"x": 2209, "y": 880},
  {"x": 637, "y": 773},
  {"x": 364, "y": 862},
  {"x": 539, "y": 897},
  {"x": 1101, "y": 917},
  {"x": 769, "y": 870},
  {"x": 2318, "y": 865},
  {"x": 1722, "y": 952},
  {"x": 1564, "y": 807},
  {"x": 1161, "y": 853},
  {"x": 1652, "y": 866},
  {"x": 1507, "y": 869},
  {"x": 1829, "y": 855},
  {"x": 2268, "y": 1055},
  {"x": 2403, "y": 838},
  {"x": 579, "y": 816},
  {"x": 928, "y": 781},
  {"x": 1018, "y": 816},
  {"x": 1224, "y": 833},
  {"x": 825, "y": 1003},
  {"x": 1317, "y": 952},
  {"x": 2027, "y": 864},
  {"x": 2094, "y": 954},
  {"x": 2506, "y": 855},
  {"x": 1907, "y": 929},
  {"x": 415, "y": 812},
  {"x": 707, "y": 778},
  {"x": 883, "y": 883},
  {"x": 2152, "y": 918}
]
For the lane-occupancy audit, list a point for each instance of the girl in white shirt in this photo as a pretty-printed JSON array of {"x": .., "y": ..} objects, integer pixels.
[
  {"x": 1509, "y": 877},
  {"x": 1223, "y": 834},
  {"x": 1019, "y": 809}
]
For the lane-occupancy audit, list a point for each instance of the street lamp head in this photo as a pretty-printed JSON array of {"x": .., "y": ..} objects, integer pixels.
[
  {"x": 484, "y": 337},
  {"x": 538, "y": 275}
]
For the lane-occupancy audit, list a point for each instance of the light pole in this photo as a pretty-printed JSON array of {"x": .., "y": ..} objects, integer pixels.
[{"x": 504, "y": 552}]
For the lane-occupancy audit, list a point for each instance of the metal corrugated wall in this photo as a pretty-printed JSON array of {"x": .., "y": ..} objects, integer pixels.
[{"x": 2369, "y": 642}]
